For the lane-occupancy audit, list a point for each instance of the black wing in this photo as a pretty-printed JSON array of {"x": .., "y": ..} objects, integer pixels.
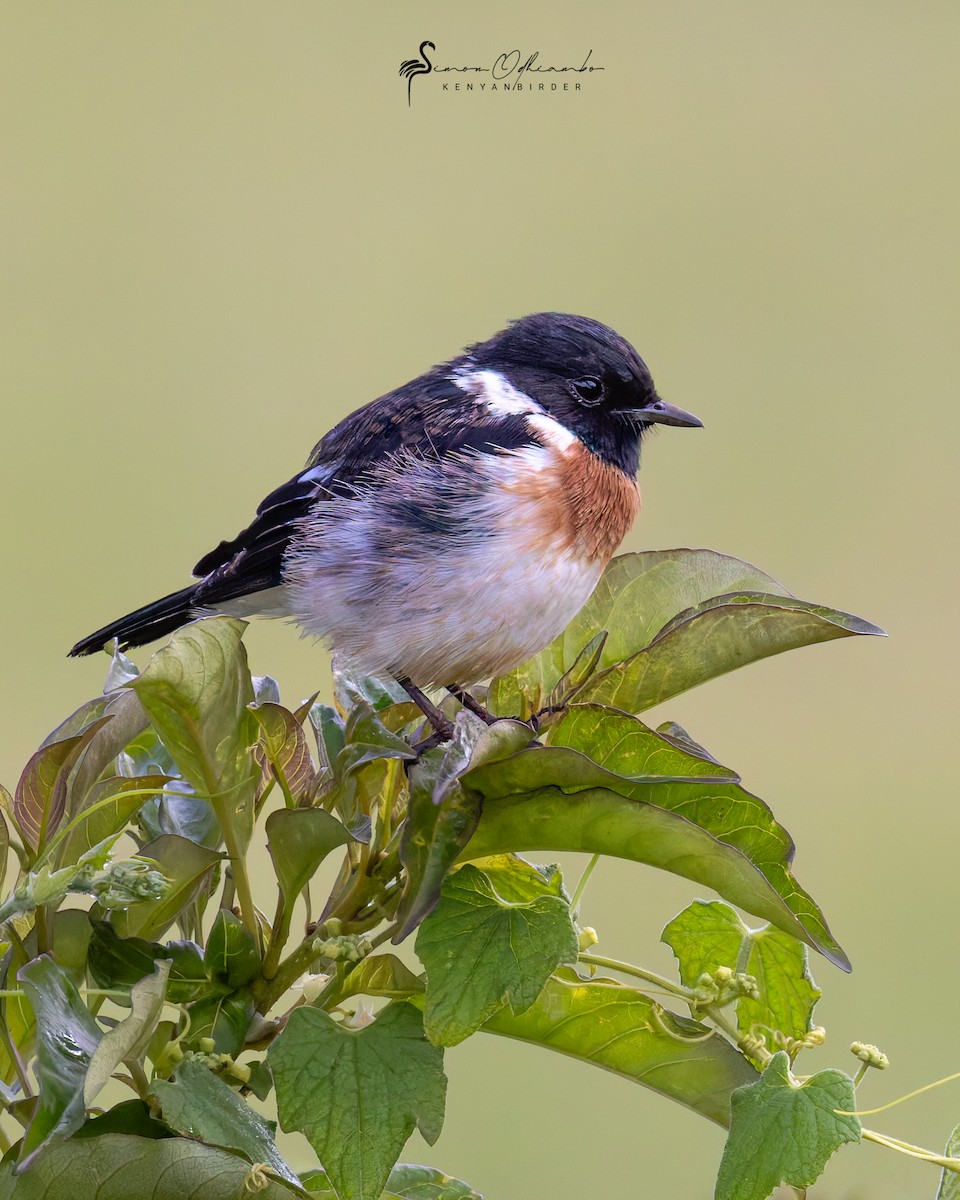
[{"x": 431, "y": 417}]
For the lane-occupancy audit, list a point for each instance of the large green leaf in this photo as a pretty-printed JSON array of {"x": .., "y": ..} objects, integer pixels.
[
  {"x": 122, "y": 1166},
  {"x": 783, "y": 1131},
  {"x": 186, "y": 866},
  {"x": 674, "y": 619},
  {"x": 68, "y": 1037},
  {"x": 199, "y": 1105},
  {"x": 720, "y": 635},
  {"x": 494, "y": 939},
  {"x": 708, "y": 935},
  {"x": 196, "y": 690},
  {"x": 358, "y": 1094},
  {"x": 716, "y": 833},
  {"x": 618, "y": 1028}
]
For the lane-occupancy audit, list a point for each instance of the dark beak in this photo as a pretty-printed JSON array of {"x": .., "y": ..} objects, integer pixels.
[{"x": 662, "y": 413}]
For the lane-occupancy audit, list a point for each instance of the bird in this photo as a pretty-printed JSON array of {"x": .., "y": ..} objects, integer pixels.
[
  {"x": 447, "y": 531},
  {"x": 416, "y": 66}
]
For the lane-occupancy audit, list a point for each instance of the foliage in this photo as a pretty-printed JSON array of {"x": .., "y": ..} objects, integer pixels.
[{"x": 147, "y": 800}]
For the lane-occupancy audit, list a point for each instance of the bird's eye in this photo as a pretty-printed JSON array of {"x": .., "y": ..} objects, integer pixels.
[{"x": 588, "y": 389}]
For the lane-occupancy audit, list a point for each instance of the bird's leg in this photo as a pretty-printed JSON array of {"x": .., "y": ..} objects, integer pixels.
[
  {"x": 472, "y": 705},
  {"x": 443, "y": 728}
]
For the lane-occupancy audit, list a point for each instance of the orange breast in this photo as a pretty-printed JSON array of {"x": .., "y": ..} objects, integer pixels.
[{"x": 583, "y": 505}]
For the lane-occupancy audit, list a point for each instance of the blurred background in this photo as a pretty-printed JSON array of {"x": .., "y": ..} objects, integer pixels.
[{"x": 224, "y": 228}]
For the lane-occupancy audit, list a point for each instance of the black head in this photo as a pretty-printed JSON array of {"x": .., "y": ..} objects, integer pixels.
[{"x": 585, "y": 376}]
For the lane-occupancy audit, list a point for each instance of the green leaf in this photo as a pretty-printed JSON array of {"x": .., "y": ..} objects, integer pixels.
[
  {"x": 783, "y": 1131},
  {"x": 68, "y": 1037},
  {"x": 675, "y": 619},
  {"x": 616, "y": 1027},
  {"x": 949, "y": 1188},
  {"x": 377, "y": 975},
  {"x": 284, "y": 745},
  {"x": 127, "y": 721},
  {"x": 427, "y": 1183},
  {"x": 179, "y": 810},
  {"x": 199, "y": 1105},
  {"x": 440, "y": 820},
  {"x": 129, "y": 1038},
  {"x": 232, "y": 957},
  {"x": 715, "y": 833},
  {"x": 406, "y": 1182},
  {"x": 108, "y": 807},
  {"x": 638, "y": 594},
  {"x": 629, "y": 748},
  {"x": 72, "y": 932},
  {"x": 495, "y": 938},
  {"x": 329, "y": 730},
  {"x": 720, "y": 635},
  {"x": 41, "y": 796},
  {"x": 120, "y": 1166},
  {"x": 120, "y": 962},
  {"x": 4, "y": 845},
  {"x": 358, "y": 1094},
  {"x": 299, "y": 839},
  {"x": 379, "y": 692},
  {"x": 196, "y": 690},
  {"x": 368, "y": 739},
  {"x": 225, "y": 1019},
  {"x": 707, "y": 935},
  {"x": 186, "y": 866}
]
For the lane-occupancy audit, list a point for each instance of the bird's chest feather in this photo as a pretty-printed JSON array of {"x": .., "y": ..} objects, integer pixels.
[
  {"x": 573, "y": 502},
  {"x": 460, "y": 574}
]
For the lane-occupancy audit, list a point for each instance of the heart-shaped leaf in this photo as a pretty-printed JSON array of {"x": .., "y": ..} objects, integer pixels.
[{"x": 358, "y": 1094}]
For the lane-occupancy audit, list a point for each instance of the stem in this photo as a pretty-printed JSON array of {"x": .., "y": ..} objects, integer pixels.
[
  {"x": 584, "y": 880},
  {"x": 729, "y": 1030},
  {"x": 939, "y": 1160},
  {"x": 19, "y": 1066},
  {"x": 238, "y": 867},
  {"x": 287, "y": 973},
  {"x": 43, "y": 933},
  {"x": 870, "y": 1112},
  {"x": 139, "y": 1078},
  {"x": 611, "y": 964},
  {"x": 383, "y": 936},
  {"x": 279, "y": 932}
]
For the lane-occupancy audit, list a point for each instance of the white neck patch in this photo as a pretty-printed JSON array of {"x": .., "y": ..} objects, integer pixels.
[
  {"x": 500, "y": 398},
  {"x": 495, "y": 392}
]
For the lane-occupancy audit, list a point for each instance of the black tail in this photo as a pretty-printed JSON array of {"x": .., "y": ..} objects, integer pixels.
[{"x": 145, "y": 624}]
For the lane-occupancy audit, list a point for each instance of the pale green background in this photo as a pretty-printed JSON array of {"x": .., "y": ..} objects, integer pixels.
[{"x": 223, "y": 229}]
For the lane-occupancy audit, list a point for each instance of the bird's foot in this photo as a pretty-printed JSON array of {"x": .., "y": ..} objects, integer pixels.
[
  {"x": 442, "y": 725},
  {"x": 472, "y": 705}
]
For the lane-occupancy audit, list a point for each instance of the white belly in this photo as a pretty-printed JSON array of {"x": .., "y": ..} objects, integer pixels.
[
  {"x": 451, "y": 603},
  {"x": 439, "y": 625}
]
